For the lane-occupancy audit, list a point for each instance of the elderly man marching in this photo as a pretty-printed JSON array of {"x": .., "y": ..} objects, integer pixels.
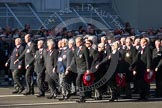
[
  {"x": 16, "y": 67},
  {"x": 81, "y": 59},
  {"x": 28, "y": 53},
  {"x": 39, "y": 67}
]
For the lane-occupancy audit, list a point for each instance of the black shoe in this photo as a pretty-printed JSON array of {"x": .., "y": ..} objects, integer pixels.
[
  {"x": 27, "y": 93},
  {"x": 98, "y": 98},
  {"x": 81, "y": 100},
  {"x": 73, "y": 94},
  {"x": 40, "y": 95},
  {"x": 50, "y": 97},
  {"x": 67, "y": 97},
  {"x": 143, "y": 99},
  {"x": 127, "y": 97},
  {"x": 21, "y": 90},
  {"x": 62, "y": 98},
  {"x": 53, "y": 96},
  {"x": 32, "y": 93},
  {"x": 15, "y": 92},
  {"x": 113, "y": 99}
]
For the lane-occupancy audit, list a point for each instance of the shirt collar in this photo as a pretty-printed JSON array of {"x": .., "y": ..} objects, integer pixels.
[
  {"x": 18, "y": 46},
  {"x": 64, "y": 48},
  {"x": 41, "y": 49},
  {"x": 29, "y": 43},
  {"x": 80, "y": 47}
]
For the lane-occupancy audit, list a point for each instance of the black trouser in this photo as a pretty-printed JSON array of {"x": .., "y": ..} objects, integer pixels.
[
  {"x": 79, "y": 83},
  {"x": 129, "y": 79},
  {"x": 99, "y": 91},
  {"x": 159, "y": 83},
  {"x": 69, "y": 79},
  {"x": 143, "y": 88},
  {"x": 113, "y": 86},
  {"x": 40, "y": 82},
  {"x": 29, "y": 79},
  {"x": 16, "y": 74},
  {"x": 51, "y": 79},
  {"x": 72, "y": 77}
]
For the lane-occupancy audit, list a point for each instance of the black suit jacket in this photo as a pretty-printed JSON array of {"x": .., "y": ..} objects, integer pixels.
[
  {"x": 28, "y": 53},
  {"x": 157, "y": 58},
  {"x": 92, "y": 55},
  {"x": 39, "y": 61},
  {"x": 129, "y": 55},
  {"x": 81, "y": 59},
  {"x": 70, "y": 55},
  {"x": 14, "y": 56},
  {"x": 51, "y": 61},
  {"x": 143, "y": 61}
]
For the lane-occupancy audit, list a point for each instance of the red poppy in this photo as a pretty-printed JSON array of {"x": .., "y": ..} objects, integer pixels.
[
  {"x": 120, "y": 79},
  {"x": 88, "y": 79}
]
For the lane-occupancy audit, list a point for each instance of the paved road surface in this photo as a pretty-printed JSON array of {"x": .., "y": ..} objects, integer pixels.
[{"x": 8, "y": 100}]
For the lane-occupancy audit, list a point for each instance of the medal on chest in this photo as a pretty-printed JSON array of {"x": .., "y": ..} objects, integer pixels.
[
  {"x": 28, "y": 51},
  {"x": 80, "y": 55},
  {"x": 127, "y": 54}
]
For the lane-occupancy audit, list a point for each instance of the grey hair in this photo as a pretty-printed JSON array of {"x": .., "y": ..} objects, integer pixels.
[
  {"x": 50, "y": 41},
  {"x": 71, "y": 41},
  {"x": 41, "y": 41},
  {"x": 19, "y": 39}
]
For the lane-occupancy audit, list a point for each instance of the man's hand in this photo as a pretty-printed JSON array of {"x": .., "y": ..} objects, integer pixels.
[
  {"x": 66, "y": 72},
  {"x": 68, "y": 68},
  {"x": 16, "y": 61},
  {"x": 148, "y": 70},
  {"x": 6, "y": 64},
  {"x": 134, "y": 72},
  {"x": 156, "y": 69},
  {"x": 53, "y": 70},
  {"x": 88, "y": 72},
  {"x": 19, "y": 67},
  {"x": 109, "y": 57},
  {"x": 27, "y": 66},
  {"x": 97, "y": 66}
]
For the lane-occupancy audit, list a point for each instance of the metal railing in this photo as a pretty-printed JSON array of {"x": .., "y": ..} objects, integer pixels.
[
  {"x": 95, "y": 10},
  {"x": 10, "y": 10},
  {"x": 35, "y": 14},
  {"x": 80, "y": 17},
  {"x": 60, "y": 19}
]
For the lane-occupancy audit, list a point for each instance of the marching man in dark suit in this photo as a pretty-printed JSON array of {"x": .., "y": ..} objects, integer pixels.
[
  {"x": 128, "y": 56},
  {"x": 157, "y": 66},
  {"x": 51, "y": 63},
  {"x": 39, "y": 67},
  {"x": 70, "y": 77},
  {"x": 16, "y": 68},
  {"x": 28, "y": 53},
  {"x": 92, "y": 55},
  {"x": 81, "y": 58},
  {"x": 143, "y": 64}
]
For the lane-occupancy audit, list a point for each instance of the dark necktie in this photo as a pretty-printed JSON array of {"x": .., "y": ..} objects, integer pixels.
[{"x": 78, "y": 51}]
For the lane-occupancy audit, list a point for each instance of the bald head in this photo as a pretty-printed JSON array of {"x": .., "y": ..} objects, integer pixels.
[{"x": 18, "y": 41}]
